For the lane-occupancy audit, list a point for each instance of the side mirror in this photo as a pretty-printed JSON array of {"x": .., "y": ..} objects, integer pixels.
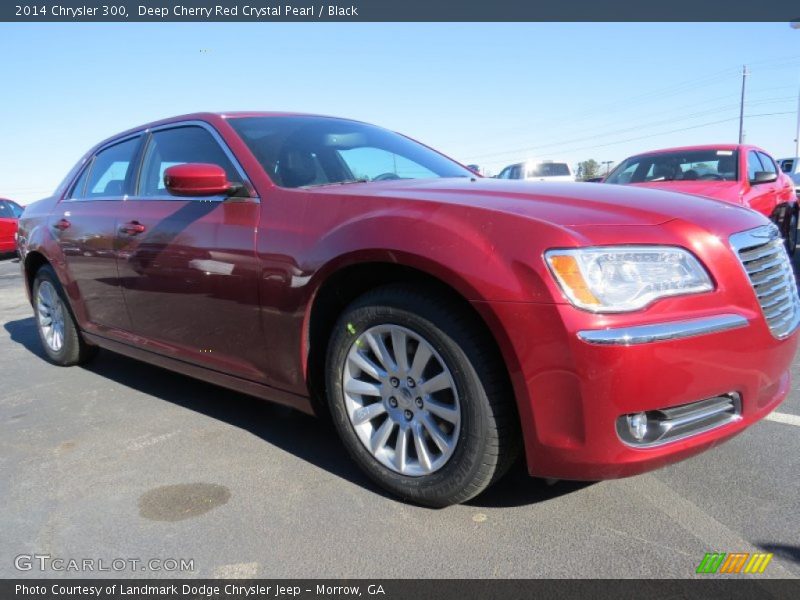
[
  {"x": 764, "y": 177},
  {"x": 197, "y": 179}
]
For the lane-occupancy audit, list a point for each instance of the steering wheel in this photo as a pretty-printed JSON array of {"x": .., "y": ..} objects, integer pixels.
[
  {"x": 712, "y": 176},
  {"x": 386, "y": 177}
]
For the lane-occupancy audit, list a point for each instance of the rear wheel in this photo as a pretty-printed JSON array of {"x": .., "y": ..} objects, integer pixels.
[
  {"x": 55, "y": 323},
  {"x": 419, "y": 398}
]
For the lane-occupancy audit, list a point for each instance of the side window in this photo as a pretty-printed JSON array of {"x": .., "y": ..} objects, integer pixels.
[
  {"x": 516, "y": 172},
  {"x": 753, "y": 165},
  {"x": 79, "y": 189},
  {"x": 16, "y": 209},
  {"x": 504, "y": 173},
  {"x": 5, "y": 210},
  {"x": 111, "y": 171},
  {"x": 767, "y": 163},
  {"x": 187, "y": 144}
]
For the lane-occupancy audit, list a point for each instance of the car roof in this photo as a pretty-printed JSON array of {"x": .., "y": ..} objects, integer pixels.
[
  {"x": 701, "y": 147},
  {"x": 210, "y": 117}
]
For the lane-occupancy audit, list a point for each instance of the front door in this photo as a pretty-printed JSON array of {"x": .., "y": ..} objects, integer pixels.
[
  {"x": 85, "y": 226},
  {"x": 187, "y": 265},
  {"x": 759, "y": 196}
]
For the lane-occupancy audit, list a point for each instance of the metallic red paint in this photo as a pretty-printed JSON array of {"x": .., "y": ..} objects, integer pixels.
[
  {"x": 8, "y": 230},
  {"x": 196, "y": 179},
  {"x": 775, "y": 200},
  {"x": 225, "y": 291}
]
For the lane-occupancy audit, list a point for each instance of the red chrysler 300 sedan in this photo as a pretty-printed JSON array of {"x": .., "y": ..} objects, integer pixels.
[
  {"x": 740, "y": 174},
  {"x": 445, "y": 321}
]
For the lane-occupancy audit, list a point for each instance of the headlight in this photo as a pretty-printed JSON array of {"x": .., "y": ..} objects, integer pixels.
[{"x": 625, "y": 278}]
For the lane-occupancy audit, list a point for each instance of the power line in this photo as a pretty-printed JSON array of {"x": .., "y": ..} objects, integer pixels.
[{"x": 631, "y": 128}]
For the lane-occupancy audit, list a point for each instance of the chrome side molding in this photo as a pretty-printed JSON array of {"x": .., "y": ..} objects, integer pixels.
[{"x": 660, "y": 332}]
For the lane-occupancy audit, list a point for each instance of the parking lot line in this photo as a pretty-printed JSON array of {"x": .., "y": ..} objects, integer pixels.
[{"x": 784, "y": 418}]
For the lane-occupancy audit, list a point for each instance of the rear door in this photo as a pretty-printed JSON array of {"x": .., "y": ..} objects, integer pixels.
[
  {"x": 187, "y": 265},
  {"x": 85, "y": 226}
]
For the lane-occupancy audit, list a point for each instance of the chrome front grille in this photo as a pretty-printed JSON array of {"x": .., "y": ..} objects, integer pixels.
[{"x": 763, "y": 255}]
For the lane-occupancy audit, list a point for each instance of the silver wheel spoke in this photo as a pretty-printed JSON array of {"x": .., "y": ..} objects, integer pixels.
[
  {"x": 436, "y": 434},
  {"x": 422, "y": 450},
  {"x": 436, "y": 384},
  {"x": 379, "y": 438},
  {"x": 421, "y": 358},
  {"x": 396, "y": 410},
  {"x": 400, "y": 449},
  {"x": 443, "y": 411},
  {"x": 367, "y": 413},
  {"x": 362, "y": 388},
  {"x": 379, "y": 348},
  {"x": 399, "y": 347},
  {"x": 366, "y": 365}
]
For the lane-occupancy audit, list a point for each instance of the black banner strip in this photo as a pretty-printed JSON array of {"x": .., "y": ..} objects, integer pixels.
[
  {"x": 398, "y": 11},
  {"x": 713, "y": 588}
]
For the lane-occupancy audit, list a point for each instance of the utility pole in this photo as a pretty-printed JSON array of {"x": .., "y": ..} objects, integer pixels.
[
  {"x": 741, "y": 106},
  {"x": 797, "y": 133}
]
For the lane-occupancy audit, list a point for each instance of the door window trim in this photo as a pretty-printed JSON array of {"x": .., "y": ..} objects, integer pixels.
[
  {"x": 89, "y": 164},
  {"x": 167, "y": 197}
]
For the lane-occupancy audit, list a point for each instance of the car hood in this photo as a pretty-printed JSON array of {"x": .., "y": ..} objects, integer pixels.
[
  {"x": 566, "y": 204},
  {"x": 719, "y": 190}
]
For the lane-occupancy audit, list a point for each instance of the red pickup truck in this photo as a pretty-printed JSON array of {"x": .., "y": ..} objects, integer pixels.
[{"x": 445, "y": 321}]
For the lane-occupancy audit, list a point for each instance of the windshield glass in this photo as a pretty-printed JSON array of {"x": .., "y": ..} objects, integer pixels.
[
  {"x": 552, "y": 169},
  {"x": 312, "y": 151},
  {"x": 693, "y": 165}
]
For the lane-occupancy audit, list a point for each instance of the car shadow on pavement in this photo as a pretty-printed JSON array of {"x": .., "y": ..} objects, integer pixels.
[
  {"x": 517, "y": 488},
  {"x": 784, "y": 551},
  {"x": 308, "y": 438}
]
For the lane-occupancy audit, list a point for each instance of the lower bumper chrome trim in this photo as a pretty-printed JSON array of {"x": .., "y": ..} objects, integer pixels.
[{"x": 660, "y": 332}]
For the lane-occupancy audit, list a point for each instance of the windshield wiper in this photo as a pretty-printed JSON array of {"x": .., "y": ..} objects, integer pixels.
[{"x": 344, "y": 182}]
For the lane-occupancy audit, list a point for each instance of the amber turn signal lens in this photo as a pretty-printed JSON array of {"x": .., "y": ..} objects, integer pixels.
[{"x": 569, "y": 274}]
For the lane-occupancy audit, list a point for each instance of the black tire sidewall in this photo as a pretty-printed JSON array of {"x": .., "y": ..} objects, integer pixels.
[
  {"x": 445, "y": 485},
  {"x": 791, "y": 237}
]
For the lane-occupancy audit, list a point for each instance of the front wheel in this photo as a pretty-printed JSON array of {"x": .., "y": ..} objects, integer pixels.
[
  {"x": 419, "y": 396},
  {"x": 55, "y": 323}
]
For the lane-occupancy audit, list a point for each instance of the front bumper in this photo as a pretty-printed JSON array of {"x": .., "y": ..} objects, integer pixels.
[{"x": 571, "y": 391}]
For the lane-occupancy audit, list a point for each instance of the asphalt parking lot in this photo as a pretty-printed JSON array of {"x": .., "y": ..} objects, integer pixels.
[{"x": 122, "y": 460}]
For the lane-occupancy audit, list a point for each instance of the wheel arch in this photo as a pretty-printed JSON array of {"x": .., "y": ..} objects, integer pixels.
[{"x": 350, "y": 280}]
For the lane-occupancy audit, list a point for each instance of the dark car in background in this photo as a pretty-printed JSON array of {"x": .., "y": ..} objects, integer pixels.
[
  {"x": 10, "y": 213},
  {"x": 740, "y": 174}
]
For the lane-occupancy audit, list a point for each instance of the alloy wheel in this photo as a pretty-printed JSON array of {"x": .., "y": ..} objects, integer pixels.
[
  {"x": 402, "y": 400},
  {"x": 50, "y": 315}
]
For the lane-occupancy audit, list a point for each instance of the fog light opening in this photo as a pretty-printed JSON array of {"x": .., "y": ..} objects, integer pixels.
[{"x": 637, "y": 425}]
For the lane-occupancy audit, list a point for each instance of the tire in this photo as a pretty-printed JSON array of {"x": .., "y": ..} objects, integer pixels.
[
  {"x": 55, "y": 322},
  {"x": 462, "y": 391},
  {"x": 791, "y": 235}
]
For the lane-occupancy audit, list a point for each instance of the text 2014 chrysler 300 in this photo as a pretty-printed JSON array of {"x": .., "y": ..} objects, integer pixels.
[{"x": 444, "y": 320}]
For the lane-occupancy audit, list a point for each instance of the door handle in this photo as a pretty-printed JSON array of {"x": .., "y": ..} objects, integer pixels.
[
  {"x": 132, "y": 228},
  {"x": 61, "y": 224}
]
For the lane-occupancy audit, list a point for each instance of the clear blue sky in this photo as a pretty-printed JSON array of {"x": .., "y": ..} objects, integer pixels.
[{"x": 485, "y": 93}]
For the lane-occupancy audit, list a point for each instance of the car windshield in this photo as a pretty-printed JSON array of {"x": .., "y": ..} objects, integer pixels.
[
  {"x": 552, "y": 169},
  {"x": 691, "y": 165},
  {"x": 299, "y": 151}
]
